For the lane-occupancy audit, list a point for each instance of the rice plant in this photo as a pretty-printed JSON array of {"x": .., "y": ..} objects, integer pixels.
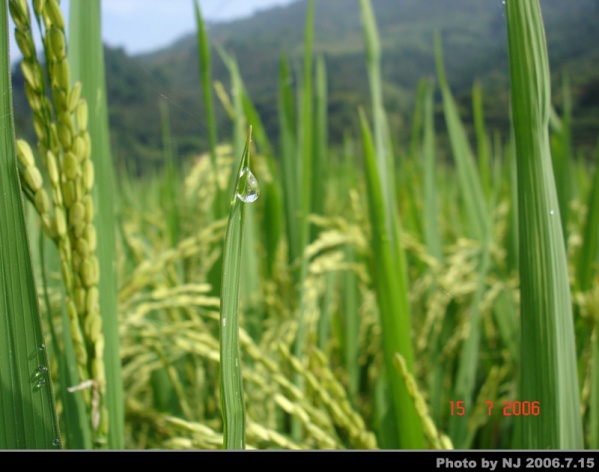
[{"x": 378, "y": 296}]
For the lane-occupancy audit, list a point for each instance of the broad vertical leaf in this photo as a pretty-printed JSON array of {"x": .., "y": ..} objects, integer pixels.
[
  {"x": 27, "y": 414},
  {"x": 548, "y": 371},
  {"x": 86, "y": 58}
]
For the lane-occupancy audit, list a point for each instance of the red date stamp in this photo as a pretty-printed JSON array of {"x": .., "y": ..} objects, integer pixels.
[{"x": 509, "y": 408}]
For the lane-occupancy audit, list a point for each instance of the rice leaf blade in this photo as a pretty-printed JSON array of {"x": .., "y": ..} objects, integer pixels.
[
  {"x": 594, "y": 402},
  {"x": 231, "y": 386},
  {"x": 432, "y": 235},
  {"x": 590, "y": 243},
  {"x": 86, "y": 58},
  {"x": 548, "y": 372},
  {"x": 384, "y": 154},
  {"x": 469, "y": 179},
  {"x": 287, "y": 124},
  {"x": 204, "y": 61},
  {"x": 390, "y": 279},
  {"x": 484, "y": 163},
  {"x": 27, "y": 412}
]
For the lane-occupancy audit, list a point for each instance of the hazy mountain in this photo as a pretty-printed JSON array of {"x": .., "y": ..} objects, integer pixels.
[{"x": 474, "y": 42}]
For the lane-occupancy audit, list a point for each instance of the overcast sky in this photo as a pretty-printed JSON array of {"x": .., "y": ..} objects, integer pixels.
[{"x": 145, "y": 25}]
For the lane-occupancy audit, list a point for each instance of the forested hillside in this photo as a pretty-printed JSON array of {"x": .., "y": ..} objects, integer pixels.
[{"x": 474, "y": 41}]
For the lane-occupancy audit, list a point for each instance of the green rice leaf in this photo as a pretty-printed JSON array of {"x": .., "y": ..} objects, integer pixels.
[
  {"x": 27, "y": 414},
  {"x": 589, "y": 251},
  {"x": 390, "y": 279},
  {"x": 250, "y": 260},
  {"x": 384, "y": 154},
  {"x": 305, "y": 132},
  {"x": 272, "y": 221},
  {"x": 320, "y": 135},
  {"x": 562, "y": 156},
  {"x": 469, "y": 179},
  {"x": 231, "y": 386},
  {"x": 289, "y": 165},
  {"x": 86, "y": 58},
  {"x": 594, "y": 402},
  {"x": 206, "y": 79},
  {"x": 432, "y": 236},
  {"x": 482, "y": 142},
  {"x": 548, "y": 372}
]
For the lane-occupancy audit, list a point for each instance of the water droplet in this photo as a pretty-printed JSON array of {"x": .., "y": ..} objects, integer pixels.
[
  {"x": 42, "y": 347},
  {"x": 551, "y": 212},
  {"x": 224, "y": 322},
  {"x": 56, "y": 442},
  {"x": 40, "y": 383},
  {"x": 236, "y": 363},
  {"x": 40, "y": 372},
  {"x": 248, "y": 189}
]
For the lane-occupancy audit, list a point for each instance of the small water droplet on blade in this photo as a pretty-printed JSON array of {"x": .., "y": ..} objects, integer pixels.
[
  {"x": 248, "y": 189},
  {"x": 224, "y": 322},
  {"x": 551, "y": 212},
  {"x": 42, "y": 368},
  {"x": 42, "y": 347},
  {"x": 56, "y": 442}
]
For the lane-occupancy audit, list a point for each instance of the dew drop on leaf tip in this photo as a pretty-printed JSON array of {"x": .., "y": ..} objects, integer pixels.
[{"x": 248, "y": 189}]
